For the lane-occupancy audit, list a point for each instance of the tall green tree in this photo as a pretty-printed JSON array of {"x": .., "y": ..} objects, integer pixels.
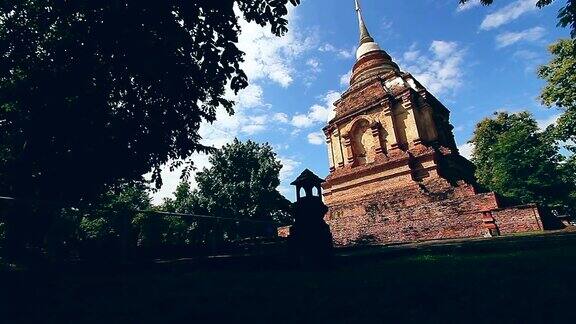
[
  {"x": 104, "y": 221},
  {"x": 158, "y": 229},
  {"x": 566, "y": 15},
  {"x": 186, "y": 200},
  {"x": 93, "y": 93},
  {"x": 560, "y": 89},
  {"x": 242, "y": 183},
  {"x": 516, "y": 160}
]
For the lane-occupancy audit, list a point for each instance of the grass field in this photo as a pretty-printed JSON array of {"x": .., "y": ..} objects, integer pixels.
[{"x": 525, "y": 280}]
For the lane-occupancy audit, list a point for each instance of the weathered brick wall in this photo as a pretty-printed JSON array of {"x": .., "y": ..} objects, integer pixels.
[
  {"x": 377, "y": 221},
  {"x": 381, "y": 203},
  {"x": 364, "y": 97},
  {"x": 518, "y": 219},
  {"x": 284, "y": 231},
  {"x": 409, "y": 215}
]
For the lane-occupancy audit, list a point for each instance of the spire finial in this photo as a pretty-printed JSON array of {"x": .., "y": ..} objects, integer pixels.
[{"x": 364, "y": 34}]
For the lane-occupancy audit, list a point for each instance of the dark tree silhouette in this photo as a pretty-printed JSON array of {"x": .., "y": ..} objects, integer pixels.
[{"x": 97, "y": 92}]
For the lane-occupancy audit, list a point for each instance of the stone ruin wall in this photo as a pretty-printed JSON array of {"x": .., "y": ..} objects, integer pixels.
[
  {"x": 518, "y": 219},
  {"x": 408, "y": 215}
]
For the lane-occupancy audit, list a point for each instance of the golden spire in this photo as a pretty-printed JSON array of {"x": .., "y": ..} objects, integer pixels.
[{"x": 364, "y": 34}]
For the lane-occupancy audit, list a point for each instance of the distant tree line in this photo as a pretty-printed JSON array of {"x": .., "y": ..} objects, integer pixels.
[{"x": 239, "y": 190}]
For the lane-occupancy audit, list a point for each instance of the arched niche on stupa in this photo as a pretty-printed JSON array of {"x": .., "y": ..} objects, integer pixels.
[{"x": 362, "y": 142}]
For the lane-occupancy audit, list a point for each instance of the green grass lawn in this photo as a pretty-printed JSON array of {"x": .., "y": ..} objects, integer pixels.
[{"x": 490, "y": 283}]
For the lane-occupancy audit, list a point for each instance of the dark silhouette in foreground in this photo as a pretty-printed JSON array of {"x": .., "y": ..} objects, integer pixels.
[{"x": 310, "y": 238}]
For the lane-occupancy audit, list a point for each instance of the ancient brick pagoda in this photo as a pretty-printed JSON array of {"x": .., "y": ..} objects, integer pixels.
[{"x": 395, "y": 171}]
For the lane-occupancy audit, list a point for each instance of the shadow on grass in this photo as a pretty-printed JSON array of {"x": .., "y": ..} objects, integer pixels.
[{"x": 520, "y": 283}]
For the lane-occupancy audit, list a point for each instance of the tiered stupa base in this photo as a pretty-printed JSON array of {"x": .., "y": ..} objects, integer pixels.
[{"x": 406, "y": 197}]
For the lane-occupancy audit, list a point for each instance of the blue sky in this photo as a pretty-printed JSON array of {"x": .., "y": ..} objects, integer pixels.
[{"x": 475, "y": 59}]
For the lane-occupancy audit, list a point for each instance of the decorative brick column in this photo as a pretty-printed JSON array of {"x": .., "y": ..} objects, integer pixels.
[
  {"x": 490, "y": 223},
  {"x": 408, "y": 104},
  {"x": 427, "y": 114},
  {"x": 350, "y": 158},
  {"x": 389, "y": 117},
  {"x": 339, "y": 153},
  {"x": 328, "y": 133},
  {"x": 376, "y": 128}
]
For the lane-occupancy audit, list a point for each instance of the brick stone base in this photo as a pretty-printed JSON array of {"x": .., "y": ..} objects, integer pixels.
[
  {"x": 410, "y": 198},
  {"x": 375, "y": 221}
]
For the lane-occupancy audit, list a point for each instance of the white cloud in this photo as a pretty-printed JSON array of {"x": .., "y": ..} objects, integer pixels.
[
  {"x": 527, "y": 55},
  {"x": 281, "y": 118},
  {"x": 314, "y": 65},
  {"x": 253, "y": 129},
  {"x": 327, "y": 48},
  {"x": 341, "y": 53},
  {"x": 439, "y": 70},
  {"x": 531, "y": 59},
  {"x": 255, "y": 124},
  {"x": 443, "y": 49},
  {"x": 411, "y": 55},
  {"x": 508, "y": 13},
  {"x": 316, "y": 138},
  {"x": 288, "y": 172},
  {"x": 330, "y": 98},
  {"x": 466, "y": 150},
  {"x": 345, "y": 79},
  {"x": 509, "y": 38},
  {"x": 302, "y": 121},
  {"x": 250, "y": 97},
  {"x": 320, "y": 113},
  {"x": 271, "y": 57},
  {"x": 544, "y": 123},
  {"x": 468, "y": 5},
  {"x": 289, "y": 166},
  {"x": 347, "y": 53}
]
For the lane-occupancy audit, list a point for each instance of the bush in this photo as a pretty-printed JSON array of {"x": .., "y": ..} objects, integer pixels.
[
  {"x": 156, "y": 230},
  {"x": 61, "y": 237},
  {"x": 2, "y": 234},
  {"x": 99, "y": 237},
  {"x": 96, "y": 229}
]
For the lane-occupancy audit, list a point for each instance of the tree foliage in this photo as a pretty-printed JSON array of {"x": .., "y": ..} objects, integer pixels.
[
  {"x": 167, "y": 230},
  {"x": 95, "y": 229},
  {"x": 560, "y": 89},
  {"x": 566, "y": 15},
  {"x": 2, "y": 233},
  {"x": 239, "y": 189},
  {"x": 516, "y": 160},
  {"x": 242, "y": 182},
  {"x": 104, "y": 220},
  {"x": 186, "y": 201},
  {"x": 93, "y": 93}
]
